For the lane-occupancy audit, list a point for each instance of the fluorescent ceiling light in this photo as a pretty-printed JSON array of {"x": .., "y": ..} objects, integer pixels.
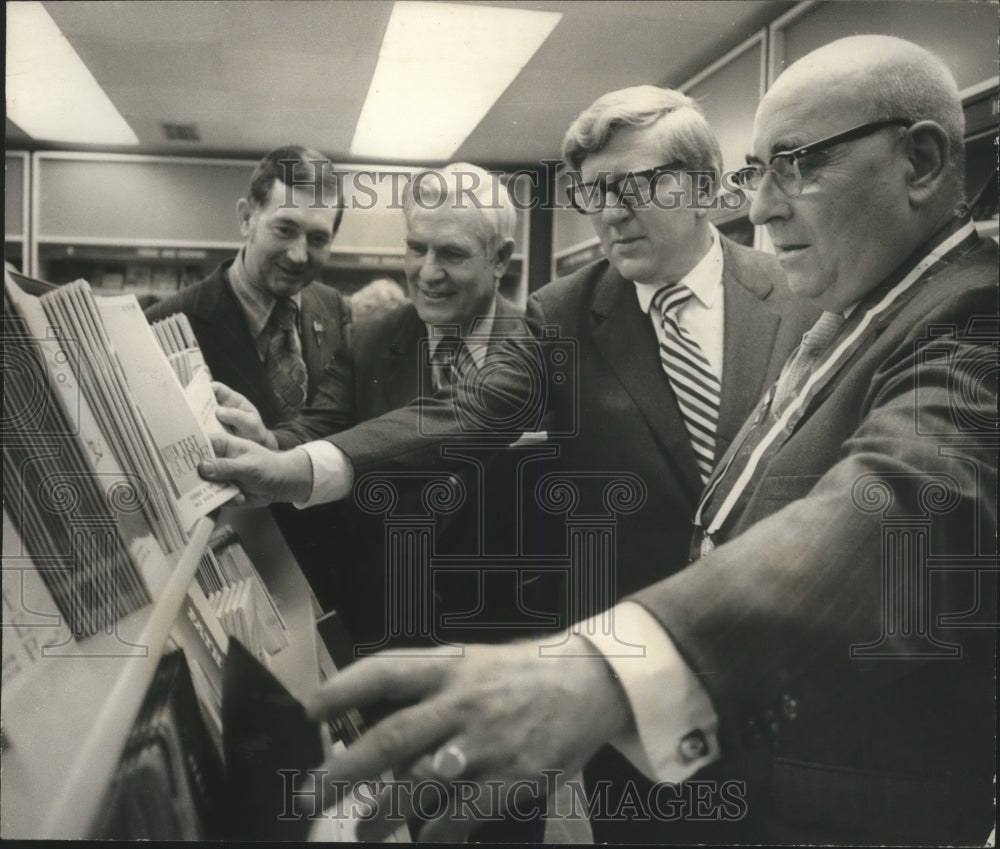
[
  {"x": 51, "y": 94},
  {"x": 441, "y": 68}
]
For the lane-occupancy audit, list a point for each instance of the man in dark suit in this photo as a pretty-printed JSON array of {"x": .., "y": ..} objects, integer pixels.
[
  {"x": 289, "y": 219},
  {"x": 824, "y": 672}
]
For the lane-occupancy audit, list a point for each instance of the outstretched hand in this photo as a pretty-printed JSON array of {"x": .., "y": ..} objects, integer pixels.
[
  {"x": 514, "y": 717},
  {"x": 263, "y": 476},
  {"x": 241, "y": 417}
]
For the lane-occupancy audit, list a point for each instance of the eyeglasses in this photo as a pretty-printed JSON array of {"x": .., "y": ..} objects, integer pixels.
[
  {"x": 634, "y": 189},
  {"x": 785, "y": 165}
]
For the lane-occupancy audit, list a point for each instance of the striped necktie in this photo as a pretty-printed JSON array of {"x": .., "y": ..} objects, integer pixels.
[
  {"x": 692, "y": 378},
  {"x": 286, "y": 370}
]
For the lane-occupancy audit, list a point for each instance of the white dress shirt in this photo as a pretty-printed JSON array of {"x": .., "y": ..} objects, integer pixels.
[
  {"x": 675, "y": 723},
  {"x": 703, "y": 314}
]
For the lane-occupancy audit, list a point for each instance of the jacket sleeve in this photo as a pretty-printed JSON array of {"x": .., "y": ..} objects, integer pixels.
[
  {"x": 507, "y": 393},
  {"x": 795, "y": 591}
]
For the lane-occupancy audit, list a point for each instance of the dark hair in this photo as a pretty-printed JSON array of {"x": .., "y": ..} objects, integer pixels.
[{"x": 294, "y": 165}]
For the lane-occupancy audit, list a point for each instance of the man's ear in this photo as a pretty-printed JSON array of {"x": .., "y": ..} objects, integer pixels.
[
  {"x": 928, "y": 151},
  {"x": 243, "y": 212},
  {"x": 503, "y": 255}
]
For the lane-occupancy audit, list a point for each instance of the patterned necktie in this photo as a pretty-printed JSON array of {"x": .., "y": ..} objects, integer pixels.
[
  {"x": 445, "y": 361},
  {"x": 286, "y": 370},
  {"x": 695, "y": 384},
  {"x": 815, "y": 341}
]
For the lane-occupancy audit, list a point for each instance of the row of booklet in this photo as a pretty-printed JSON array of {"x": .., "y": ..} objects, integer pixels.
[{"x": 106, "y": 420}]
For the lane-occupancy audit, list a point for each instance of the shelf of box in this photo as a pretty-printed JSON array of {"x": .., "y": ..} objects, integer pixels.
[
  {"x": 295, "y": 665},
  {"x": 64, "y": 733}
]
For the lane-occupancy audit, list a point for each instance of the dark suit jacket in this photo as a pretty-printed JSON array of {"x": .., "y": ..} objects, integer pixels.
[
  {"x": 377, "y": 370},
  {"x": 380, "y": 368},
  {"x": 618, "y": 404},
  {"x": 894, "y": 462},
  {"x": 220, "y": 326},
  {"x": 628, "y": 419}
]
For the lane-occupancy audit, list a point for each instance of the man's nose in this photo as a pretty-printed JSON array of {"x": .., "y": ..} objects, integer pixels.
[
  {"x": 768, "y": 202},
  {"x": 430, "y": 267},
  {"x": 614, "y": 211},
  {"x": 298, "y": 249}
]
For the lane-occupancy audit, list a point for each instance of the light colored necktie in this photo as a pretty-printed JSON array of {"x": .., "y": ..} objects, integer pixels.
[
  {"x": 796, "y": 371},
  {"x": 695, "y": 384},
  {"x": 286, "y": 370}
]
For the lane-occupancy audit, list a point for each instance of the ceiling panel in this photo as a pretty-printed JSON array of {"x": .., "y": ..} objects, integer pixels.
[
  {"x": 600, "y": 47},
  {"x": 253, "y": 75}
]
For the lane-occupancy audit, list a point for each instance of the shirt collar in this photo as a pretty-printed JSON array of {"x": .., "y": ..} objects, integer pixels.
[
  {"x": 704, "y": 280},
  {"x": 477, "y": 342},
  {"x": 257, "y": 302}
]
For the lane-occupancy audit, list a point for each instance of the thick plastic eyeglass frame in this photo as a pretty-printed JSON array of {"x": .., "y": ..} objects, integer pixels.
[
  {"x": 785, "y": 165},
  {"x": 597, "y": 192}
]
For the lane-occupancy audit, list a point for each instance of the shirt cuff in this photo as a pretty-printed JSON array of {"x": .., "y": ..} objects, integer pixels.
[
  {"x": 675, "y": 724},
  {"x": 333, "y": 474}
]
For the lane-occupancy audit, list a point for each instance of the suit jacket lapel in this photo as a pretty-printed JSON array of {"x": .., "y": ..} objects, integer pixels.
[
  {"x": 750, "y": 329},
  {"x": 626, "y": 339},
  {"x": 402, "y": 362},
  {"x": 218, "y": 307},
  {"x": 317, "y": 340},
  {"x": 230, "y": 347},
  {"x": 504, "y": 322}
]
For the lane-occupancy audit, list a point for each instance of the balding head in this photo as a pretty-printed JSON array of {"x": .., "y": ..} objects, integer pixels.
[
  {"x": 884, "y": 77},
  {"x": 846, "y": 212}
]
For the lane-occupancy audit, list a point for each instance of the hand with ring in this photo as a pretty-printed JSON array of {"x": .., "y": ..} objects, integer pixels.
[{"x": 507, "y": 717}]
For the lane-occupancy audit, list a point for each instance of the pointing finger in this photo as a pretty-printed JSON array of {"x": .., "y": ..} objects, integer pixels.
[{"x": 397, "y": 678}]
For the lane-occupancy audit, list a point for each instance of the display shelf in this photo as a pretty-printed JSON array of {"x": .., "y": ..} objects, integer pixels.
[
  {"x": 66, "y": 720},
  {"x": 295, "y": 665}
]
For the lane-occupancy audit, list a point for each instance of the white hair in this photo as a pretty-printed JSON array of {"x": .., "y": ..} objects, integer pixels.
[{"x": 465, "y": 185}]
